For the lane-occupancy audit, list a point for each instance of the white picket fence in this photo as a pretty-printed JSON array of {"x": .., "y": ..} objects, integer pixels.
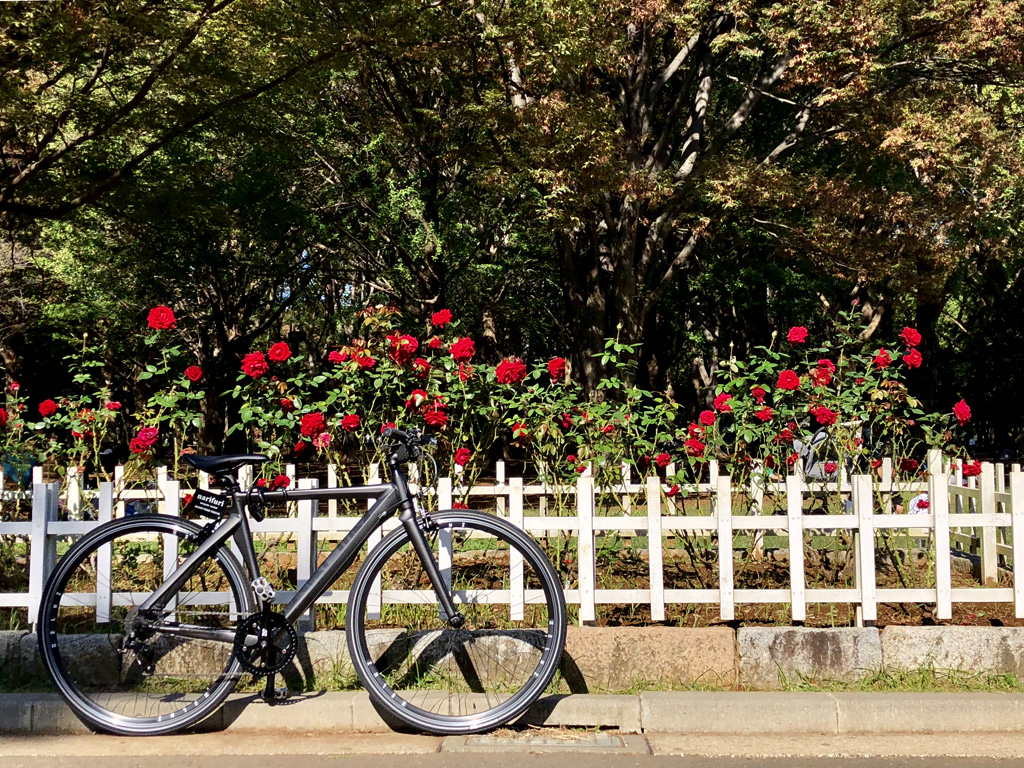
[{"x": 983, "y": 514}]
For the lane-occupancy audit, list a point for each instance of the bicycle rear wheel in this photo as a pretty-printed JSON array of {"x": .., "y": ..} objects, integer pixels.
[
  {"x": 160, "y": 681},
  {"x": 444, "y": 680}
]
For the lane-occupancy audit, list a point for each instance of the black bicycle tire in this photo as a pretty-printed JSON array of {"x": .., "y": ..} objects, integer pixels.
[
  {"x": 89, "y": 711},
  {"x": 508, "y": 710}
]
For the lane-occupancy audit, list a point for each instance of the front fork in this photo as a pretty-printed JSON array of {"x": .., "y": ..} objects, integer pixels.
[{"x": 415, "y": 522}]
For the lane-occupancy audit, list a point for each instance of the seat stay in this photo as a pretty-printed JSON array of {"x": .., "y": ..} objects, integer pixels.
[{"x": 177, "y": 578}]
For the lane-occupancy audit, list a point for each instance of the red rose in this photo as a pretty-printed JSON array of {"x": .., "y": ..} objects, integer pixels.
[
  {"x": 759, "y": 393},
  {"x": 792, "y": 459},
  {"x": 459, "y": 505},
  {"x": 281, "y": 481},
  {"x": 707, "y": 418},
  {"x": 788, "y": 380},
  {"x": 607, "y": 429},
  {"x": 15, "y": 386},
  {"x": 312, "y": 424},
  {"x": 161, "y": 318},
  {"x": 465, "y": 372},
  {"x": 765, "y": 414},
  {"x": 695, "y": 430},
  {"x": 113, "y": 405},
  {"x": 581, "y": 469},
  {"x": 511, "y": 370},
  {"x": 137, "y": 447},
  {"x": 556, "y": 367},
  {"x": 388, "y": 425},
  {"x": 797, "y": 335},
  {"x": 186, "y": 499},
  {"x": 421, "y": 367},
  {"x": 462, "y": 350},
  {"x": 912, "y": 359},
  {"x": 148, "y": 435},
  {"x": 364, "y": 361},
  {"x": 910, "y": 337},
  {"x": 435, "y": 343},
  {"x": 663, "y": 459},
  {"x": 972, "y": 468},
  {"x": 566, "y": 421},
  {"x": 435, "y": 417},
  {"x": 722, "y": 403},
  {"x": 193, "y": 373},
  {"x": 826, "y": 365},
  {"x": 876, "y": 463},
  {"x": 47, "y": 408},
  {"x": 462, "y": 456},
  {"x": 883, "y": 359},
  {"x": 300, "y": 447},
  {"x": 254, "y": 364},
  {"x": 441, "y": 318},
  {"x": 825, "y": 416},
  {"x": 962, "y": 411},
  {"x": 350, "y": 423},
  {"x": 287, "y": 404},
  {"x": 821, "y": 377},
  {"x": 3, "y": 417},
  {"x": 673, "y": 491},
  {"x": 908, "y": 465},
  {"x": 403, "y": 347},
  {"x": 519, "y": 431},
  {"x": 694, "y": 447},
  {"x": 279, "y": 352},
  {"x": 337, "y": 357},
  {"x": 785, "y": 436},
  {"x": 831, "y": 467},
  {"x": 416, "y": 399},
  {"x": 571, "y": 458}
]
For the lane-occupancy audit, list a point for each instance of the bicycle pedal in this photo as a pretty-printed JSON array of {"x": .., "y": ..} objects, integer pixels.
[{"x": 278, "y": 695}]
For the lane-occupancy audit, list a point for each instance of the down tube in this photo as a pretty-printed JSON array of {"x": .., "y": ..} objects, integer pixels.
[{"x": 342, "y": 557}]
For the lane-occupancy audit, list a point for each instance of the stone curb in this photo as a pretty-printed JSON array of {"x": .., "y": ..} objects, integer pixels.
[{"x": 698, "y": 713}]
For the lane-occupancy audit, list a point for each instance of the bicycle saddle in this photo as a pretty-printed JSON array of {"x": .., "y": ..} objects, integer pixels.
[{"x": 220, "y": 465}]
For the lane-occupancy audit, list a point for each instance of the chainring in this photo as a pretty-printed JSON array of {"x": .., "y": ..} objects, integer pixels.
[{"x": 265, "y": 643}]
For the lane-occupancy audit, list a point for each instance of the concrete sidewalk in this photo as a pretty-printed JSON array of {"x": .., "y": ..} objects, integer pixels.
[{"x": 689, "y": 713}]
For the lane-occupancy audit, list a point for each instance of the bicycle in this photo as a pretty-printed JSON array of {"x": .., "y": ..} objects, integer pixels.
[{"x": 173, "y": 618}]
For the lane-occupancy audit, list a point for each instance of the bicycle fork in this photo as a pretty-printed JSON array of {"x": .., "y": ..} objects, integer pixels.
[{"x": 438, "y": 571}]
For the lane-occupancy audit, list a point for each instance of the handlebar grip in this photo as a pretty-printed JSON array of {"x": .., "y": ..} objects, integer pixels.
[{"x": 395, "y": 433}]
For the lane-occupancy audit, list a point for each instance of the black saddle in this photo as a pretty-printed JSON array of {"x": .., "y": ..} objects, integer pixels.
[{"x": 222, "y": 465}]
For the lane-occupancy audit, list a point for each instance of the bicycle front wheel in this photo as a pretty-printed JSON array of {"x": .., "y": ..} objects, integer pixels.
[
  {"x": 141, "y": 674},
  {"x": 446, "y": 680}
]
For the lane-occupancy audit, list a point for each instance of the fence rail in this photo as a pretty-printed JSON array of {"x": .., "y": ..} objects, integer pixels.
[{"x": 983, "y": 515}]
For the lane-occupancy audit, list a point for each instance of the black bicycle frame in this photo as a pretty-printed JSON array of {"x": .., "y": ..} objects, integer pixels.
[{"x": 389, "y": 497}]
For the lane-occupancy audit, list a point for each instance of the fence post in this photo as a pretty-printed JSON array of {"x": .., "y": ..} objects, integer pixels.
[
  {"x": 865, "y": 554},
  {"x": 723, "y": 509},
  {"x": 756, "y": 501},
  {"x": 1017, "y": 531},
  {"x": 104, "y": 564},
  {"x": 373, "y": 603},
  {"x": 74, "y": 494},
  {"x": 517, "y": 599},
  {"x": 170, "y": 495},
  {"x": 938, "y": 497},
  {"x": 585, "y": 546},
  {"x": 332, "y": 482},
  {"x": 989, "y": 556},
  {"x": 795, "y": 512},
  {"x": 654, "y": 553},
  {"x": 306, "y": 550},
  {"x": 499, "y": 480},
  {"x": 43, "y": 548}
]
